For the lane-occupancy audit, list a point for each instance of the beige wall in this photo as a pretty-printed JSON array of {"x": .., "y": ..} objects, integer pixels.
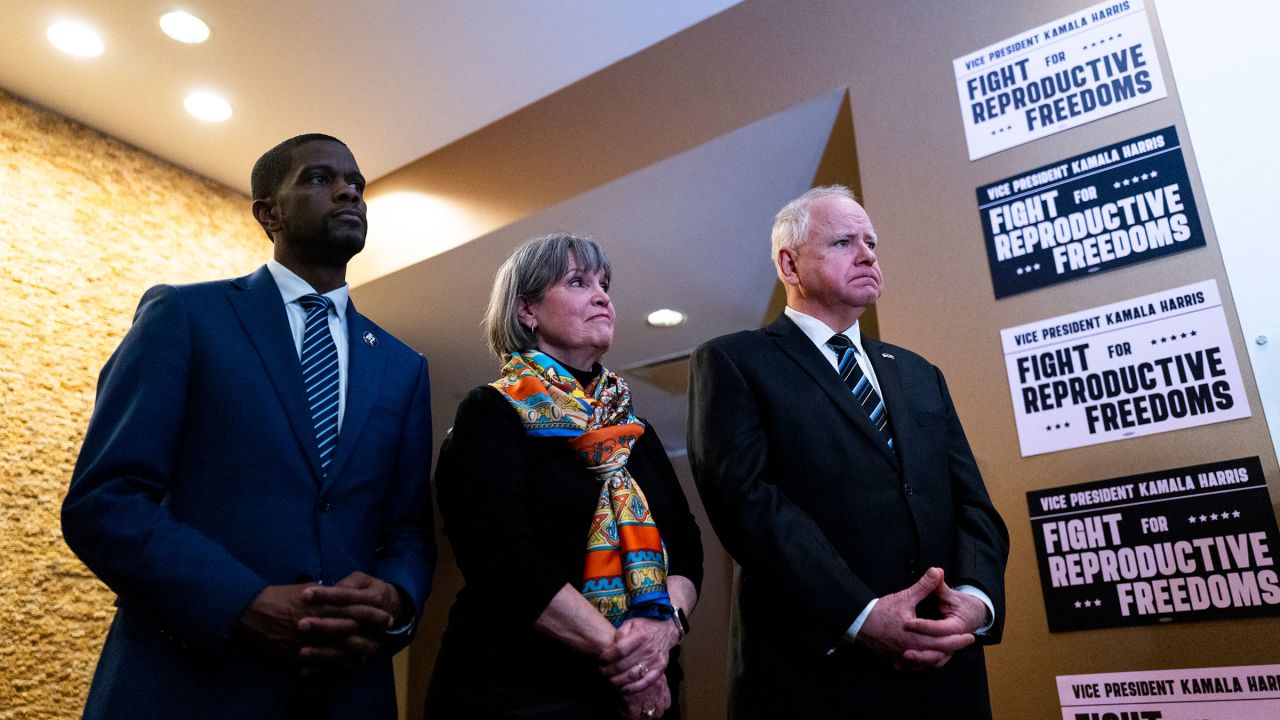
[
  {"x": 764, "y": 56},
  {"x": 86, "y": 224}
]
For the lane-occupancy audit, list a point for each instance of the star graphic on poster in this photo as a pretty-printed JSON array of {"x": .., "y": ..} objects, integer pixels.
[
  {"x": 1193, "y": 333},
  {"x": 1018, "y": 271},
  {"x": 1145, "y": 176},
  {"x": 1204, "y": 519},
  {"x": 1116, "y": 185},
  {"x": 1097, "y": 602},
  {"x": 1192, "y": 519},
  {"x": 1154, "y": 173},
  {"x": 1086, "y": 603},
  {"x": 1126, "y": 182},
  {"x": 1153, "y": 342},
  {"x": 1077, "y": 604},
  {"x": 1184, "y": 336},
  {"x": 1135, "y": 179},
  {"x": 1213, "y": 516},
  {"x": 1235, "y": 514},
  {"x": 1036, "y": 266}
]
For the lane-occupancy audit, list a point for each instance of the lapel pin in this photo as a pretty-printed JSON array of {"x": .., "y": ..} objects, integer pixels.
[
  {"x": 888, "y": 355},
  {"x": 370, "y": 340}
]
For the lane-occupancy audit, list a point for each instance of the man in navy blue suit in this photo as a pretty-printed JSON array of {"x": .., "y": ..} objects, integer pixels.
[{"x": 254, "y": 481}]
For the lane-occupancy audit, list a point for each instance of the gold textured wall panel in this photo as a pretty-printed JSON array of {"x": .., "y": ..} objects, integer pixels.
[{"x": 86, "y": 225}]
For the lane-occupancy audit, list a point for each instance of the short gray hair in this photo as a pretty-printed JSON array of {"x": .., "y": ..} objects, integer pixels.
[
  {"x": 534, "y": 266},
  {"x": 791, "y": 224}
]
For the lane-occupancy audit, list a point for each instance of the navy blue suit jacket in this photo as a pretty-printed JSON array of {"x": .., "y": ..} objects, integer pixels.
[
  {"x": 199, "y": 484},
  {"x": 823, "y": 517}
]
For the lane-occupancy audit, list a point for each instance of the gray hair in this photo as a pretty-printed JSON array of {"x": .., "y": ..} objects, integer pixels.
[
  {"x": 791, "y": 224},
  {"x": 534, "y": 266}
]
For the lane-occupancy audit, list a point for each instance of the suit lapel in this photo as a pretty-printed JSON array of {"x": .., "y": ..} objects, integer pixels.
[
  {"x": 893, "y": 393},
  {"x": 257, "y": 303},
  {"x": 792, "y": 341},
  {"x": 365, "y": 363}
]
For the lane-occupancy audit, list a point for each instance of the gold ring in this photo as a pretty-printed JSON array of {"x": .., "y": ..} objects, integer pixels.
[
  {"x": 649, "y": 712},
  {"x": 640, "y": 671}
]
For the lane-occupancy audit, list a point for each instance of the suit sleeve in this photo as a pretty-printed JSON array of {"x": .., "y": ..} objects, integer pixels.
[
  {"x": 479, "y": 482},
  {"x": 407, "y": 549},
  {"x": 114, "y": 516},
  {"x": 759, "y": 525},
  {"x": 982, "y": 540}
]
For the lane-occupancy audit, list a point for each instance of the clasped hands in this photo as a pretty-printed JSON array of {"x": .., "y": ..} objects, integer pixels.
[
  {"x": 893, "y": 630},
  {"x": 636, "y": 663},
  {"x": 325, "y": 627}
]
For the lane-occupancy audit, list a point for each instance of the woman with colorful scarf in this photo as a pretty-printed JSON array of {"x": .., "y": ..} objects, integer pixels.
[{"x": 580, "y": 557}]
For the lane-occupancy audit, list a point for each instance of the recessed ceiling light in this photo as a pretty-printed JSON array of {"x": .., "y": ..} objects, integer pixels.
[
  {"x": 184, "y": 27},
  {"x": 207, "y": 106},
  {"x": 75, "y": 38},
  {"x": 665, "y": 318}
]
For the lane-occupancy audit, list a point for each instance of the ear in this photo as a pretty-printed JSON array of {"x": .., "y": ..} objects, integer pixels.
[
  {"x": 524, "y": 311},
  {"x": 264, "y": 211},
  {"x": 787, "y": 266}
]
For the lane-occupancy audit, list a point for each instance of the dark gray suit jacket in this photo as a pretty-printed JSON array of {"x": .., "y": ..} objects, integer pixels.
[{"x": 823, "y": 517}]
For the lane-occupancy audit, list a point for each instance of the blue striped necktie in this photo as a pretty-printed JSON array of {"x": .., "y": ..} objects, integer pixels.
[
  {"x": 860, "y": 385},
  {"x": 320, "y": 375}
]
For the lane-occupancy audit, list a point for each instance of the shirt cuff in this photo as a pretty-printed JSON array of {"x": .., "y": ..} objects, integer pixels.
[
  {"x": 852, "y": 633},
  {"x": 991, "y": 609}
]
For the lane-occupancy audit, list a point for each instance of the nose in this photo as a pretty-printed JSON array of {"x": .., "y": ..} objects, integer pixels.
[
  {"x": 347, "y": 192},
  {"x": 866, "y": 256},
  {"x": 601, "y": 296}
]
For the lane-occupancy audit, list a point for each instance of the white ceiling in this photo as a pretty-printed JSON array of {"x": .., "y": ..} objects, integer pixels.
[{"x": 395, "y": 79}]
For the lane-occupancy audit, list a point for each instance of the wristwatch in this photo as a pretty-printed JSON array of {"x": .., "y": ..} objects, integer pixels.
[{"x": 682, "y": 622}]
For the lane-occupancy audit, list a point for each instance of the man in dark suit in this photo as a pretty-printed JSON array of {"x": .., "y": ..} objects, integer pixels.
[
  {"x": 253, "y": 482},
  {"x": 835, "y": 471}
]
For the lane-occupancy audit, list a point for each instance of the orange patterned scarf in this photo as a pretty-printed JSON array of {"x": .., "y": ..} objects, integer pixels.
[{"x": 626, "y": 568}]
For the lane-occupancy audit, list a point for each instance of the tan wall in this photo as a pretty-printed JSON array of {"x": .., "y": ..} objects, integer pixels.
[
  {"x": 764, "y": 56},
  {"x": 86, "y": 224}
]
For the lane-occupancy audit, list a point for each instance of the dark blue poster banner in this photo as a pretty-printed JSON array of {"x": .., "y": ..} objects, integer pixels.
[
  {"x": 1122, "y": 204},
  {"x": 1190, "y": 543}
]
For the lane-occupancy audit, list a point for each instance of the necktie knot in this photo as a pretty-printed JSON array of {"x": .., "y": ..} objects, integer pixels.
[
  {"x": 314, "y": 303},
  {"x": 840, "y": 343}
]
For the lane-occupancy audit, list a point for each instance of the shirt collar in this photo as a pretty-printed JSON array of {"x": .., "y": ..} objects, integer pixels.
[
  {"x": 818, "y": 332},
  {"x": 293, "y": 287}
]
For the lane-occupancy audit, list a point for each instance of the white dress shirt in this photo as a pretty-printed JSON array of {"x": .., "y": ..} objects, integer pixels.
[
  {"x": 819, "y": 333},
  {"x": 293, "y": 287}
]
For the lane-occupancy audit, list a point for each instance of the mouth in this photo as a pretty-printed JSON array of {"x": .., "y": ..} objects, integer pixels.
[{"x": 348, "y": 214}]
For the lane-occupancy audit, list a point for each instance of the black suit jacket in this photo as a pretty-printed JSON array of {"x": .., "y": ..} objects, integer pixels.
[{"x": 823, "y": 517}]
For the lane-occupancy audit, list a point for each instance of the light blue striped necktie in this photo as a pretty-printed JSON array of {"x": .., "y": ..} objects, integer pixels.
[
  {"x": 320, "y": 375},
  {"x": 860, "y": 385}
]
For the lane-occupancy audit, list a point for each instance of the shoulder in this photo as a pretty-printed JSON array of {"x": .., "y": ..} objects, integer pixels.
[
  {"x": 486, "y": 403},
  {"x": 912, "y": 367},
  {"x": 374, "y": 335},
  {"x": 735, "y": 343}
]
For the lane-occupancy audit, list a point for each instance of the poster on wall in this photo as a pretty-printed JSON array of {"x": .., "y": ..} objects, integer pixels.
[
  {"x": 1076, "y": 69},
  {"x": 1142, "y": 366},
  {"x": 1188, "y": 543},
  {"x": 1243, "y": 692},
  {"x": 1114, "y": 206}
]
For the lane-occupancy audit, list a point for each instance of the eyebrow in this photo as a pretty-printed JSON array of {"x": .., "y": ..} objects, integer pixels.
[{"x": 354, "y": 176}]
